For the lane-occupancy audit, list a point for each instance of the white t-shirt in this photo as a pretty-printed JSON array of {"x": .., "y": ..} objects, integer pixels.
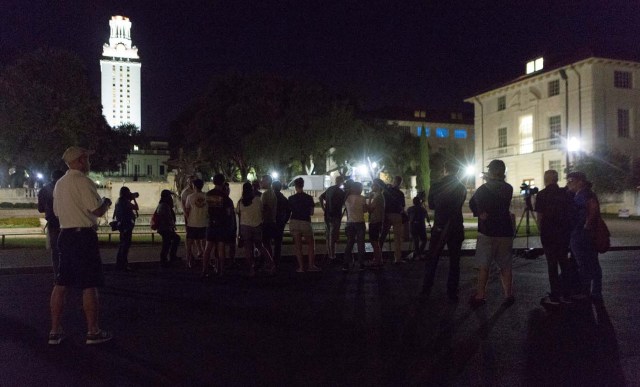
[
  {"x": 250, "y": 215},
  {"x": 75, "y": 197},
  {"x": 196, "y": 203},
  {"x": 356, "y": 207}
]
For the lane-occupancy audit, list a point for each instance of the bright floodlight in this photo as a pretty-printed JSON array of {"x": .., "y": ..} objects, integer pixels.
[
  {"x": 470, "y": 170},
  {"x": 362, "y": 169},
  {"x": 274, "y": 175},
  {"x": 374, "y": 165},
  {"x": 39, "y": 175},
  {"x": 573, "y": 145}
]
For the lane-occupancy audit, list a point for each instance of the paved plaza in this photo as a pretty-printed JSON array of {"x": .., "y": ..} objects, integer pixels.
[{"x": 329, "y": 328}]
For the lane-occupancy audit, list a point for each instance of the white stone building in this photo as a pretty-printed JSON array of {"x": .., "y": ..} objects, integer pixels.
[
  {"x": 537, "y": 121},
  {"x": 120, "y": 69}
]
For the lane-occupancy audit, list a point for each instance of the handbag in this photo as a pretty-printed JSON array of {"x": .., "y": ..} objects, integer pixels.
[
  {"x": 114, "y": 225},
  {"x": 600, "y": 235}
]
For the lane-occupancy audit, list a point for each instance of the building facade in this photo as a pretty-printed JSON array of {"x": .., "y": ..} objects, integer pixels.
[
  {"x": 543, "y": 119},
  {"x": 120, "y": 75},
  {"x": 145, "y": 163}
]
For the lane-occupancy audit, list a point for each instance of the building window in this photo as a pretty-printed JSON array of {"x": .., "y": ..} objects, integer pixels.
[
  {"x": 502, "y": 103},
  {"x": 554, "y": 88},
  {"x": 502, "y": 137},
  {"x": 149, "y": 170},
  {"x": 442, "y": 132},
  {"x": 419, "y": 131},
  {"x": 555, "y": 130},
  {"x": 622, "y": 79},
  {"x": 427, "y": 132},
  {"x": 161, "y": 172},
  {"x": 460, "y": 133},
  {"x": 623, "y": 123},
  {"x": 556, "y": 165},
  {"x": 526, "y": 133},
  {"x": 419, "y": 114}
]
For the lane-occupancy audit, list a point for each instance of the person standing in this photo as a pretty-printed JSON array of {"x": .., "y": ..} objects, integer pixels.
[
  {"x": 125, "y": 214},
  {"x": 220, "y": 226},
  {"x": 490, "y": 204},
  {"x": 446, "y": 198},
  {"x": 186, "y": 192},
  {"x": 553, "y": 208},
  {"x": 283, "y": 213},
  {"x": 587, "y": 211},
  {"x": 196, "y": 210},
  {"x": 394, "y": 208},
  {"x": 45, "y": 205},
  {"x": 302, "y": 207},
  {"x": 332, "y": 201},
  {"x": 376, "y": 218},
  {"x": 77, "y": 205},
  {"x": 355, "y": 229},
  {"x": 269, "y": 211},
  {"x": 167, "y": 228},
  {"x": 250, "y": 213},
  {"x": 418, "y": 227}
]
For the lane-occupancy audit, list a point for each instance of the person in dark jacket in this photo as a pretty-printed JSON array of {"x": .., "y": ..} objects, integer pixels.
[
  {"x": 554, "y": 207},
  {"x": 125, "y": 214},
  {"x": 490, "y": 204},
  {"x": 167, "y": 228},
  {"x": 446, "y": 198},
  {"x": 283, "y": 213},
  {"x": 45, "y": 205}
]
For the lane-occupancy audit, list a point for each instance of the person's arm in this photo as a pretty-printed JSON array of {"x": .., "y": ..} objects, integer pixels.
[
  {"x": 103, "y": 208},
  {"x": 187, "y": 210},
  {"x": 593, "y": 210},
  {"x": 313, "y": 206}
]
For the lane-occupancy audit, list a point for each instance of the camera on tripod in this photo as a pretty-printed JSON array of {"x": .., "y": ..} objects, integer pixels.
[{"x": 527, "y": 191}]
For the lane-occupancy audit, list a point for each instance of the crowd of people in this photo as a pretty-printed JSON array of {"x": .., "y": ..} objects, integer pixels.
[{"x": 215, "y": 226}]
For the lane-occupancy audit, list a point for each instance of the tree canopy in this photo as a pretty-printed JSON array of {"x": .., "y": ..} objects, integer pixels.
[
  {"x": 609, "y": 171},
  {"x": 46, "y": 105}
]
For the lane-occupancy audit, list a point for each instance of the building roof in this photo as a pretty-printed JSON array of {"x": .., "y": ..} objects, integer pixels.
[{"x": 553, "y": 63}]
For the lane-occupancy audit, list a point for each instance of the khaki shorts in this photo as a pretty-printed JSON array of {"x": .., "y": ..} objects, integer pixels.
[
  {"x": 498, "y": 249},
  {"x": 300, "y": 228}
]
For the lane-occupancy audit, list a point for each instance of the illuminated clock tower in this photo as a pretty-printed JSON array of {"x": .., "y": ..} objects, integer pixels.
[{"x": 120, "y": 68}]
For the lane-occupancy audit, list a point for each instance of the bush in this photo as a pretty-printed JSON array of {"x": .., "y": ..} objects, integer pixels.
[{"x": 6, "y": 205}]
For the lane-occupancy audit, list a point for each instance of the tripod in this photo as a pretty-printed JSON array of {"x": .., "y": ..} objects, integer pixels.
[{"x": 527, "y": 213}]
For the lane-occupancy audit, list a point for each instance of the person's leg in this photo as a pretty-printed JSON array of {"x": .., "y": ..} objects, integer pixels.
[
  {"x": 175, "y": 242},
  {"x": 189, "y": 245},
  {"x": 206, "y": 257},
  {"x": 221, "y": 256},
  {"x": 581, "y": 250},
  {"x": 484, "y": 253},
  {"x": 277, "y": 243},
  {"x": 267, "y": 236},
  {"x": 311, "y": 247},
  {"x": 423, "y": 240},
  {"x": 360, "y": 232},
  {"x": 483, "y": 278},
  {"x": 54, "y": 233},
  {"x": 122, "y": 259},
  {"x": 90, "y": 308},
  {"x": 166, "y": 244},
  {"x": 454, "y": 244},
  {"x": 551, "y": 253},
  {"x": 504, "y": 257},
  {"x": 596, "y": 289},
  {"x": 398, "y": 236},
  {"x": 351, "y": 236},
  {"x": 328, "y": 235},
  {"x": 297, "y": 245},
  {"x": 415, "y": 238},
  {"x": 56, "y": 303}
]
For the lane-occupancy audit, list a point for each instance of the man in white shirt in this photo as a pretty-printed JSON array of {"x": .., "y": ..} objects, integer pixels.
[
  {"x": 77, "y": 205},
  {"x": 197, "y": 211}
]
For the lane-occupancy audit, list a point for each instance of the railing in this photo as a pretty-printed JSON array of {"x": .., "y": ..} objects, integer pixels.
[{"x": 514, "y": 150}]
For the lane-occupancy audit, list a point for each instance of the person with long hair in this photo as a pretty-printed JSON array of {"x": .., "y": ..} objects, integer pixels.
[
  {"x": 167, "y": 228},
  {"x": 250, "y": 213},
  {"x": 125, "y": 214}
]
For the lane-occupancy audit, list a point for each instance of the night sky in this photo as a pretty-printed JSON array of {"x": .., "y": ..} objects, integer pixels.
[{"x": 411, "y": 53}]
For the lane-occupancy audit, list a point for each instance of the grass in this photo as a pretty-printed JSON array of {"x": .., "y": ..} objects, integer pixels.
[{"x": 19, "y": 222}]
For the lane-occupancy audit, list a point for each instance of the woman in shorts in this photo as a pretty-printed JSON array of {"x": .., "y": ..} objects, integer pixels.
[{"x": 249, "y": 211}]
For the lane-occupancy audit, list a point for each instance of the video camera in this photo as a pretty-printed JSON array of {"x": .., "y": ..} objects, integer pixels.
[
  {"x": 134, "y": 195},
  {"x": 527, "y": 191}
]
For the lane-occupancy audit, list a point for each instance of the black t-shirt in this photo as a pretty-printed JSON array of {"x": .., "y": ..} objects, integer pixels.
[
  {"x": 493, "y": 199},
  {"x": 556, "y": 206},
  {"x": 301, "y": 206},
  {"x": 446, "y": 197},
  {"x": 334, "y": 198},
  {"x": 394, "y": 200},
  {"x": 220, "y": 209}
]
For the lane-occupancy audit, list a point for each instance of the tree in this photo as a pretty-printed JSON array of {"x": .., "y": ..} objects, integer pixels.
[
  {"x": 609, "y": 171},
  {"x": 46, "y": 105}
]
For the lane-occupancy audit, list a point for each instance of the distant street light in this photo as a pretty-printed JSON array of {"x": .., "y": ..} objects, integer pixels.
[
  {"x": 470, "y": 170},
  {"x": 573, "y": 144},
  {"x": 275, "y": 175}
]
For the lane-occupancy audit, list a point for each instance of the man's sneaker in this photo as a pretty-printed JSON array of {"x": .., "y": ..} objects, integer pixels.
[
  {"x": 99, "y": 337},
  {"x": 314, "y": 268},
  {"x": 56, "y": 338}
]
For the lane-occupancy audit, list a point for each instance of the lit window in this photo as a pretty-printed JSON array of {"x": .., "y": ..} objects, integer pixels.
[
  {"x": 502, "y": 103},
  {"x": 554, "y": 88},
  {"x": 442, "y": 132},
  {"x": 622, "y": 79},
  {"x": 556, "y": 165},
  {"x": 427, "y": 132},
  {"x": 460, "y": 133},
  {"x": 526, "y": 134},
  {"x": 419, "y": 131},
  {"x": 623, "y": 123}
]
